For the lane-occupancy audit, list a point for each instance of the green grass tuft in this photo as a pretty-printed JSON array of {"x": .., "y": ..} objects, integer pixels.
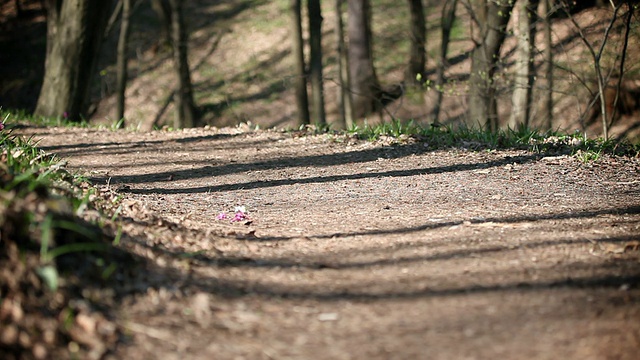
[
  {"x": 472, "y": 138},
  {"x": 40, "y": 202}
]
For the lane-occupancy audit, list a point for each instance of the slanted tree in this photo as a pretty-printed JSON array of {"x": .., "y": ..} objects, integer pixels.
[
  {"x": 547, "y": 64},
  {"x": 415, "y": 73},
  {"x": 344, "y": 93},
  {"x": 162, "y": 9},
  {"x": 524, "y": 71},
  {"x": 185, "y": 115},
  {"x": 300, "y": 78},
  {"x": 315, "y": 62},
  {"x": 75, "y": 31},
  {"x": 19, "y": 10},
  {"x": 448, "y": 17},
  {"x": 365, "y": 89},
  {"x": 627, "y": 24},
  {"x": 121, "y": 65},
  {"x": 490, "y": 18}
]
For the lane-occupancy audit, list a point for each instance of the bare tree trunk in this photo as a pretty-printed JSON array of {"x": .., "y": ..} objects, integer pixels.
[
  {"x": 302, "y": 99},
  {"x": 623, "y": 56},
  {"x": 115, "y": 15},
  {"x": 364, "y": 83},
  {"x": 123, "y": 42},
  {"x": 417, "y": 56},
  {"x": 344, "y": 94},
  {"x": 163, "y": 10},
  {"x": 183, "y": 99},
  {"x": 524, "y": 72},
  {"x": 315, "y": 62},
  {"x": 19, "y": 11},
  {"x": 547, "y": 64},
  {"x": 490, "y": 19},
  {"x": 74, "y": 36},
  {"x": 448, "y": 16}
]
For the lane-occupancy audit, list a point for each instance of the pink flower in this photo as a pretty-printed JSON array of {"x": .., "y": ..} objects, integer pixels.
[
  {"x": 239, "y": 216},
  {"x": 221, "y": 216},
  {"x": 1, "y": 126},
  {"x": 65, "y": 115}
]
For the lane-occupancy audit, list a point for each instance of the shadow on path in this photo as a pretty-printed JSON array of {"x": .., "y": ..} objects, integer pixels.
[
  {"x": 359, "y": 156},
  {"x": 605, "y": 274}
]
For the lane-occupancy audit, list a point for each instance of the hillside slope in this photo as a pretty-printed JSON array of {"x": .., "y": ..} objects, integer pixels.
[{"x": 242, "y": 69}]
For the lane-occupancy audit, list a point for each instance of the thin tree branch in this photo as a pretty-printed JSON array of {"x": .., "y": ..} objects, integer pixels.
[{"x": 624, "y": 53}]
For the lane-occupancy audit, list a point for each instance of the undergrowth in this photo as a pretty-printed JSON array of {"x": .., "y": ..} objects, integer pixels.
[
  {"x": 35, "y": 186},
  {"x": 59, "y": 121},
  {"x": 24, "y": 116},
  {"x": 439, "y": 137},
  {"x": 49, "y": 255}
]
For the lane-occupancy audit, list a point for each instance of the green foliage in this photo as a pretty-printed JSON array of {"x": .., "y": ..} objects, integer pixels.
[
  {"x": 438, "y": 137},
  {"x": 395, "y": 128},
  {"x": 23, "y": 116},
  {"x": 117, "y": 125},
  {"x": 458, "y": 31},
  {"x": 39, "y": 203}
]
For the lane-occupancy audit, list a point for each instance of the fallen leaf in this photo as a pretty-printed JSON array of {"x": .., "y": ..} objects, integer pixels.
[{"x": 328, "y": 317}]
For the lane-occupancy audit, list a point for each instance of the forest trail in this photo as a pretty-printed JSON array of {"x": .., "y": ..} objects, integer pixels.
[{"x": 359, "y": 250}]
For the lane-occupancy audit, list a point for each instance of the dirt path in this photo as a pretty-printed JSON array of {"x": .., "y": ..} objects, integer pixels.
[{"x": 355, "y": 250}]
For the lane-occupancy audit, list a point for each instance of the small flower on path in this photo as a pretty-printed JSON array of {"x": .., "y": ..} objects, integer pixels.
[
  {"x": 239, "y": 216},
  {"x": 221, "y": 216},
  {"x": 1, "y": 126}
]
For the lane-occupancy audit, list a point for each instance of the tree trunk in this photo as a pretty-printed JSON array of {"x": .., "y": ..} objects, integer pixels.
[
  {"x": 417, "y": 56},
  {"x": 490, "y": 20},
  {"x": 123, "y": 42},
  {"x": 302, "y": 99},
  {"x": 19, "y": 11},
  {"x": 547, "y": 64},
  {"x": 364, "y": 83},
  {"x": 524, "y": 72},
  {"x": 74, "y": 36},
  {"x": 596, "y": 56},
  {"x": 183, "y": 99},
  {"x": 623, "y": 55},
  {"x": 163, "y": 10},
  {"x": 448, "y": 16},
  {"x": 315, "y": 63},
  {"x": 344, "y": 92},
  {"x": 115, "y": 15}
]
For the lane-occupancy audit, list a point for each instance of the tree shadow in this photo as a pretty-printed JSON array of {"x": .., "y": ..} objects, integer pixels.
[
  {"x": 587, "y": 214},
  {"x": 604, "y": 274},
  {"x": 268, "y": 89},
  {"x": 170, "y": 96},
  {"x": 323, "y": 160},
  {"x": 116, "y": 147},
  {"x": 271, "y": 291}
]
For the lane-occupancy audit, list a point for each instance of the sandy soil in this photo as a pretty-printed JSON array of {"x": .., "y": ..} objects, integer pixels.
[{"x": 358, "y": 250}]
